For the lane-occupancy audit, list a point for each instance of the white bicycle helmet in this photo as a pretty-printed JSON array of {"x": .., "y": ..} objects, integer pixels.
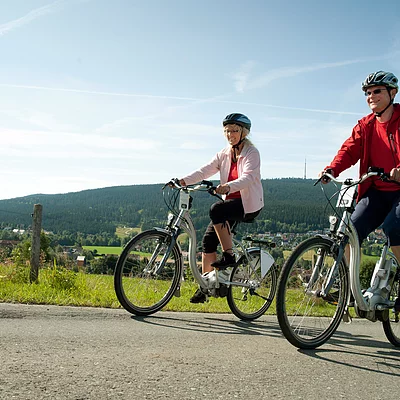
[{"x": 380, "y": 78}]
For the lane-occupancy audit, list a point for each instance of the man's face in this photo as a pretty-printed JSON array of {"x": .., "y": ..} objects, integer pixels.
[{"x": 378, "y": 97}]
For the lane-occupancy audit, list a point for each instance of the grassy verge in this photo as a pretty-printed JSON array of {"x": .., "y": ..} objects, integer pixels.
[
  {"x": 58, "y": 286},
  {"x": 66, "y": 288}
]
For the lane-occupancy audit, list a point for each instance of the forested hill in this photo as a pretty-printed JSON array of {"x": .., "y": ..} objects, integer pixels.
[{"x": 291, "y": 205}]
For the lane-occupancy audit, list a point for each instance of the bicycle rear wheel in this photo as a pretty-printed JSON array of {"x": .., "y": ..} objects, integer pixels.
[
  {"x": 307, "y": 320},
  {"x": 252, "y": 300},
  {"x": 391, "y": 325},
  {"x": 147, "y": 274}
]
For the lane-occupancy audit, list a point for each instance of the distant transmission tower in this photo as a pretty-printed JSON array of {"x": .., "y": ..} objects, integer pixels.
[{"x": 305, "y": 168}]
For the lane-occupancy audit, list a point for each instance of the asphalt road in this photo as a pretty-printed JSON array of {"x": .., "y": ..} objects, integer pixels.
[{"x": 50, "y": 352}]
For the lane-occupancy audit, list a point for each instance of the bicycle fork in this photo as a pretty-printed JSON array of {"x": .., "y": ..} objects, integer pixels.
[
  {"x": 160, "y": 266},
  {"x": 319, "y": 264}
]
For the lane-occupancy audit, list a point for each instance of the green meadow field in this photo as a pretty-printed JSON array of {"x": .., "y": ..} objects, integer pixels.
[{"x": 104, "y": 249}]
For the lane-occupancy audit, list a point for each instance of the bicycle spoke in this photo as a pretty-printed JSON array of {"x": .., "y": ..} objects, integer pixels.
[
  {"x": 306, "y": 319},
  {"x": 252, "y": 295},
  {"x": 147, "y": 273}
]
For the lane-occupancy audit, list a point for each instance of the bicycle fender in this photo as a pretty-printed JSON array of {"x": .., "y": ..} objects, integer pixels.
[
  {"x": 323, "y": 236},
  {"x": 266, "y": 260}
]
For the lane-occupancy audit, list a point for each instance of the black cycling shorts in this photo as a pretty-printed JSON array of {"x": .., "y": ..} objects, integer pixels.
[
  {"x": 224, "y": 211},
  {"x": 377, "y": 208}
]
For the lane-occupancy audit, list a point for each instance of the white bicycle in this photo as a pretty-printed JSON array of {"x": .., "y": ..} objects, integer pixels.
[
  {"x": 150, "y": 269},
  {"x": 316, "y": 284}
]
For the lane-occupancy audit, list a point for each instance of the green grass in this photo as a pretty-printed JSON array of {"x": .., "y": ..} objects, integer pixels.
[
  {"x": 62, "y": 287},
  {"x": 59, "y": 286},
  {"x": 104, "y": 249},
  {"x": 65, "y": 288},
  {"x": 117, "y": 249}
]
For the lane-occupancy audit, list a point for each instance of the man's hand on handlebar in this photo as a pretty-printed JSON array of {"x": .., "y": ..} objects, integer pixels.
[
  {"x": 325, "y": 179},
  {"x": 395, "y": 174}
]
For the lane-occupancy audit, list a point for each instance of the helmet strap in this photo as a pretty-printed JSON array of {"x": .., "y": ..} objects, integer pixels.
[
  {"x": 380, "y": 113},
  {"x": 236, "y": 146}
]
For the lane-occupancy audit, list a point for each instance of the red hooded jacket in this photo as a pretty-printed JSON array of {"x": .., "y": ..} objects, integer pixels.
[{"x": 358, "y": 147}]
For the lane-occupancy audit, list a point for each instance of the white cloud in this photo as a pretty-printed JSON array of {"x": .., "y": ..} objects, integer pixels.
[
  {"x": 194, "y": 101},
  {"x": 241, "y": 77},
  {"x": 242, "y": 81},
  {"x": 31, "y": 16},
  {"x": 192, "y": 146}
]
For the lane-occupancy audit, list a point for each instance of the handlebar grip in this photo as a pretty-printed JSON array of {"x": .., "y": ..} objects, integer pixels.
[
  {"x": 380, "y": 171},
  {"x": 207, "y": 183},
  {"x": 173, "y": 181},
  {"x": 385, "y": 176}
]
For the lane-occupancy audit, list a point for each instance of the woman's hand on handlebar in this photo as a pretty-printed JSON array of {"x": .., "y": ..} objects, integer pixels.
[{"x": 222, "y": 189}]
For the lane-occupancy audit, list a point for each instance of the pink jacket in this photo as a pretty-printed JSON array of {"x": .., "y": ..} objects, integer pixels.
[{"x": 248, "y": 182}]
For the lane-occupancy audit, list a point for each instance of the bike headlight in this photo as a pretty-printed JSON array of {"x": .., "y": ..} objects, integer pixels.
[
  {"x": 332, "y": 222},
  {"x": 170, "y": 217},
  {"x": 332, "y": 219}
]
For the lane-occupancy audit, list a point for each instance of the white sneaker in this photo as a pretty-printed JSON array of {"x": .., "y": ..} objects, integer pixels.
[{"x": 223, "y": 276}]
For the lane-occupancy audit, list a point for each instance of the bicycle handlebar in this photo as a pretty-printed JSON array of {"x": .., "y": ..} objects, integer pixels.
[
  {"x": 372, "y": 171},
  {"x": 208, "y": 185}
]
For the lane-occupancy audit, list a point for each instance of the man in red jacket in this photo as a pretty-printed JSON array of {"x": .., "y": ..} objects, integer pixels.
[{"x": 375, "y": 142}]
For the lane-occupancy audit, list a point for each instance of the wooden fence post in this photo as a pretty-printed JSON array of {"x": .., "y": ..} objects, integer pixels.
[{"x": 35, "y": 247}]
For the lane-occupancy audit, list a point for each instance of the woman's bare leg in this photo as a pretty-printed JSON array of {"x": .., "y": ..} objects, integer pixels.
[
  {"x": 206, "y": 260},
  {"x": 224, "y": 235}
]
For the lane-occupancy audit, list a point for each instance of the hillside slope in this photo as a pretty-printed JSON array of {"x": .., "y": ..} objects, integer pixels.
[{"x": 291, "y": 204}]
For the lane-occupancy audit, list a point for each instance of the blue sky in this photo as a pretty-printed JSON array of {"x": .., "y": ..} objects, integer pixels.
[{"x": 97, "y": 93}]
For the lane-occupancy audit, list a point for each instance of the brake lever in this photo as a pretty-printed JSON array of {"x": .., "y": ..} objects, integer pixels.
[
  {"x": 174, "y": 182},
  {"x": 211, "y": 190}
]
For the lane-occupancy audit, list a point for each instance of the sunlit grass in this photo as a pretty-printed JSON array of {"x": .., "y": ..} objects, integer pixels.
[
  {"x": 67, "y": 288},
  {"x": 104, "y": 249}
]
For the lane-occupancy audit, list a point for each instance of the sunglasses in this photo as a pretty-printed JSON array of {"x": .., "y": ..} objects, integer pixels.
[{"x": 376, "y": 91}]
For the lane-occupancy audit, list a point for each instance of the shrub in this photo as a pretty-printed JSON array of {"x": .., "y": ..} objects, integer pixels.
[
  {"x": 19, "y": 274},
  {"x": 366, "y": 270},
  {"x": 60, "y": 278}
]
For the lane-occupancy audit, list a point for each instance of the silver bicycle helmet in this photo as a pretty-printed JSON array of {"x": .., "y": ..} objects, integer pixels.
[
  {"x": 380, "y": 78},
  {"x": 238, "y": 119}
]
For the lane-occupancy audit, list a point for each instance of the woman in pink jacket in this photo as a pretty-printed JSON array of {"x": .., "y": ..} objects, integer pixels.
[{"x": 240, "y": 181}]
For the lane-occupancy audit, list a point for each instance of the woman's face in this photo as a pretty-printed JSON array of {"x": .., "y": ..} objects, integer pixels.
[{"x": 233, "y": 133}]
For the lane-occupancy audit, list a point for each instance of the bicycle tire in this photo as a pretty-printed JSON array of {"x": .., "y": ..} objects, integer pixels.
[
  {"x": 391, "y": 325},
  {"x": 306, "y": 320},
  {"x": 249, "y": 303},
  {"x": 139, "y": 288}
]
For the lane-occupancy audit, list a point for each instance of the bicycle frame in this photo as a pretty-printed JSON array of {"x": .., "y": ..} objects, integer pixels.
[
  {"x": 374, "y": 298},
  {"x": 183, "y": 222}
]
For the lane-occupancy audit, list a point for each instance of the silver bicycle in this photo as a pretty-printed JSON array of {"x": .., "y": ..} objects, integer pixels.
[
  {"x": 150, "y": 269},
  {"x": 315, "y": 285}
]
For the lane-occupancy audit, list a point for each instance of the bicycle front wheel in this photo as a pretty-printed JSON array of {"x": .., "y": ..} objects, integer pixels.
[
  {"x": 147, "y": 273},
  {"x": 391, "y": 325},
  {"x": 307, "y": 320},
  {"x": 253, "y": 298}
]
